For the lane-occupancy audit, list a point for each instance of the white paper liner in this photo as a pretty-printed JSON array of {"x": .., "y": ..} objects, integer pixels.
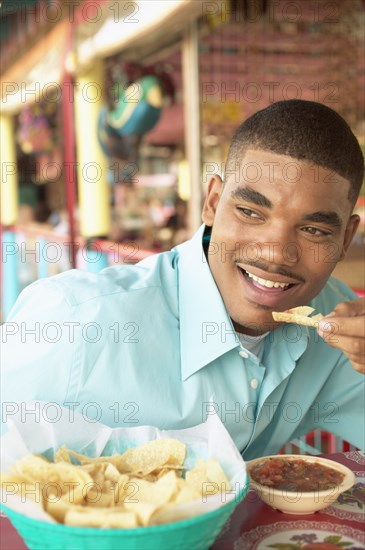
[{"x": 34, "y": 433}]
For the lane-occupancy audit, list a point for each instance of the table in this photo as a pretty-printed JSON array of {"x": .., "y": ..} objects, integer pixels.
[{"x": 256, "y": 526}]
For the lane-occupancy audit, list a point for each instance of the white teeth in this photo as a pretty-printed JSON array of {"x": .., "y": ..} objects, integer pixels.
[{"x": 265, "y": 282}]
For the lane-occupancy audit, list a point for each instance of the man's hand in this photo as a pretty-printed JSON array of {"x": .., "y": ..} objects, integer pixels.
[{"x": 344, "y": 328}]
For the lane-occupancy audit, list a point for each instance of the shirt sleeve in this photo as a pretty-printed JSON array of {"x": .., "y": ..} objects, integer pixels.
[
  {"x": 340, "y": 405},
  {"x": 345, "y": 415},
  {"x": 38, "y": 343}
]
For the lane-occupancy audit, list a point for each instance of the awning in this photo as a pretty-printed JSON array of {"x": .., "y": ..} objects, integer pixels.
[
  {"x": 37, "y": 74},
  {"x": 141, "y": 25},
  {"x": 141, "y": 21}
]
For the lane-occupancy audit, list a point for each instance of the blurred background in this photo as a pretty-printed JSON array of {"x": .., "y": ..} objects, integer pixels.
[{"x": 114, "y": 116}]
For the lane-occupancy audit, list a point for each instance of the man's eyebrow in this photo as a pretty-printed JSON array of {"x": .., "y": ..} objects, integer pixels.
[
  {"x": 330, "y": 218},
  {"x": 250, "y": 195}
]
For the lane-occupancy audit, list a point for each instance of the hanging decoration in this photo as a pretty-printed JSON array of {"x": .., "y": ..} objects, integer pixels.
[
  {"x": 138, "y": 107},
  {"x": 36, "y": 128},
  {"x": 136, "y": 99}
]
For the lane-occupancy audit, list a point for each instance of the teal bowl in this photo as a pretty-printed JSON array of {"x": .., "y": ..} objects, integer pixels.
[{"x": 197, "y": 533}]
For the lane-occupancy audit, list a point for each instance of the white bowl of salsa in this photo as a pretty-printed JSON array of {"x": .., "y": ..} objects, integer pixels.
[{"x": 298, "y": 484}]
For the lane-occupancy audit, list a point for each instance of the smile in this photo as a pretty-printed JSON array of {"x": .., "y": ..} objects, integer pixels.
[
  {"x": 266, "y": 282},
  {"x": 266, "y": 292},
  {"x": 266, "y": 285}
]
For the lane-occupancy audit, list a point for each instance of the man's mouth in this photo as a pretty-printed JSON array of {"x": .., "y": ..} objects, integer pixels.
[{"x": 266, "y": 284}]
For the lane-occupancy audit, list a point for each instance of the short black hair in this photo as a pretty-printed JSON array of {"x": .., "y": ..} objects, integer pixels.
[{"x": 305, "y": 130}]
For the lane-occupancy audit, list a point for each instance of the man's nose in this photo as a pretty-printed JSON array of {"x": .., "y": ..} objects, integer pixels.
[{"x": 279, "y": 246}]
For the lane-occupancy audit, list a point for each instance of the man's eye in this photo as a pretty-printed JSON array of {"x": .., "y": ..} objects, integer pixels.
[
  {"x": 316, "y": 232},
  {"x": 248, "y": 213}
]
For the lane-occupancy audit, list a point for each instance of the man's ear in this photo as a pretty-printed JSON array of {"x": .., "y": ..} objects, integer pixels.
[
  {"x": 350, "y": 231},
  {"x": 214, "y": 191}
]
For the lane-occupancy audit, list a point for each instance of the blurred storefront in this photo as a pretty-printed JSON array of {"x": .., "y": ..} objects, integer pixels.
[
  {"x": 114, "y": 115},
  {"x": 93, "y": 57}
]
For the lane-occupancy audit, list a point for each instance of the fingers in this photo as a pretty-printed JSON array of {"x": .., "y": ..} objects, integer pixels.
[
  {"x": 354, "y": 349},
  {"x": 344, "y": 329},
  {"x": 347, "y": 326},
  {"x": 349, "y": 309}
]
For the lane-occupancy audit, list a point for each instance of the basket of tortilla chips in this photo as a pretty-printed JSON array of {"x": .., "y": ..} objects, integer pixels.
[{"x": 147, "y": 488}]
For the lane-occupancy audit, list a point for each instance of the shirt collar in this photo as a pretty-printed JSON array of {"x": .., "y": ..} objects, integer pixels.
[{"x": 206, "y": 330}]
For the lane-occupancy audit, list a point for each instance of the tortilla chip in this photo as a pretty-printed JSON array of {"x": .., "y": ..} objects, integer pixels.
[
  {"x": 86, "y": 517},
  {"x": 154, "y": 455},
  {"x": 298, "y": 315}
]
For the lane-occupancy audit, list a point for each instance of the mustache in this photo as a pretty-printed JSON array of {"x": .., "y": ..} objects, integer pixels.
[{"x": 268, "y": 269}]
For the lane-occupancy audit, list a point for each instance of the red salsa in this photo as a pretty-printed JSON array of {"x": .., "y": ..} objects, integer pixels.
[{"x": 295, "y": 475}]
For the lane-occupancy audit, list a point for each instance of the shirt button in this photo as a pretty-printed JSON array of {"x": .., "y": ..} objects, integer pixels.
[
  {"x": 253, "y": 383},
  {"x": 244, "y": 354}
]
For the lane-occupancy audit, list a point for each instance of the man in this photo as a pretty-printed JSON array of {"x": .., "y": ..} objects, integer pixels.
[{"x": 189, "y": 333}]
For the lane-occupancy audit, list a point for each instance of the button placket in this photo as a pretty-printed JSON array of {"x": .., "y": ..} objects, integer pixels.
[{"x": 254, "y": 383}]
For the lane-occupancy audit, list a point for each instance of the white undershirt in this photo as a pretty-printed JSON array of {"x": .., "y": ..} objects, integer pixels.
[{"x": 254, "y": 344}]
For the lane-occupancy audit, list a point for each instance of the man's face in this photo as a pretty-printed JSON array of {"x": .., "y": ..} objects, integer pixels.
[{"x": 279, "y": 226}]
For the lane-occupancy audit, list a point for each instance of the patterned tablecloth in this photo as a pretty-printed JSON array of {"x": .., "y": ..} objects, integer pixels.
[{"x": 256, "y": 526}]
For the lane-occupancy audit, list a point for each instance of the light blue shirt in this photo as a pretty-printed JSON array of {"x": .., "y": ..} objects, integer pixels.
[{"x": 153, "y": 344}]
